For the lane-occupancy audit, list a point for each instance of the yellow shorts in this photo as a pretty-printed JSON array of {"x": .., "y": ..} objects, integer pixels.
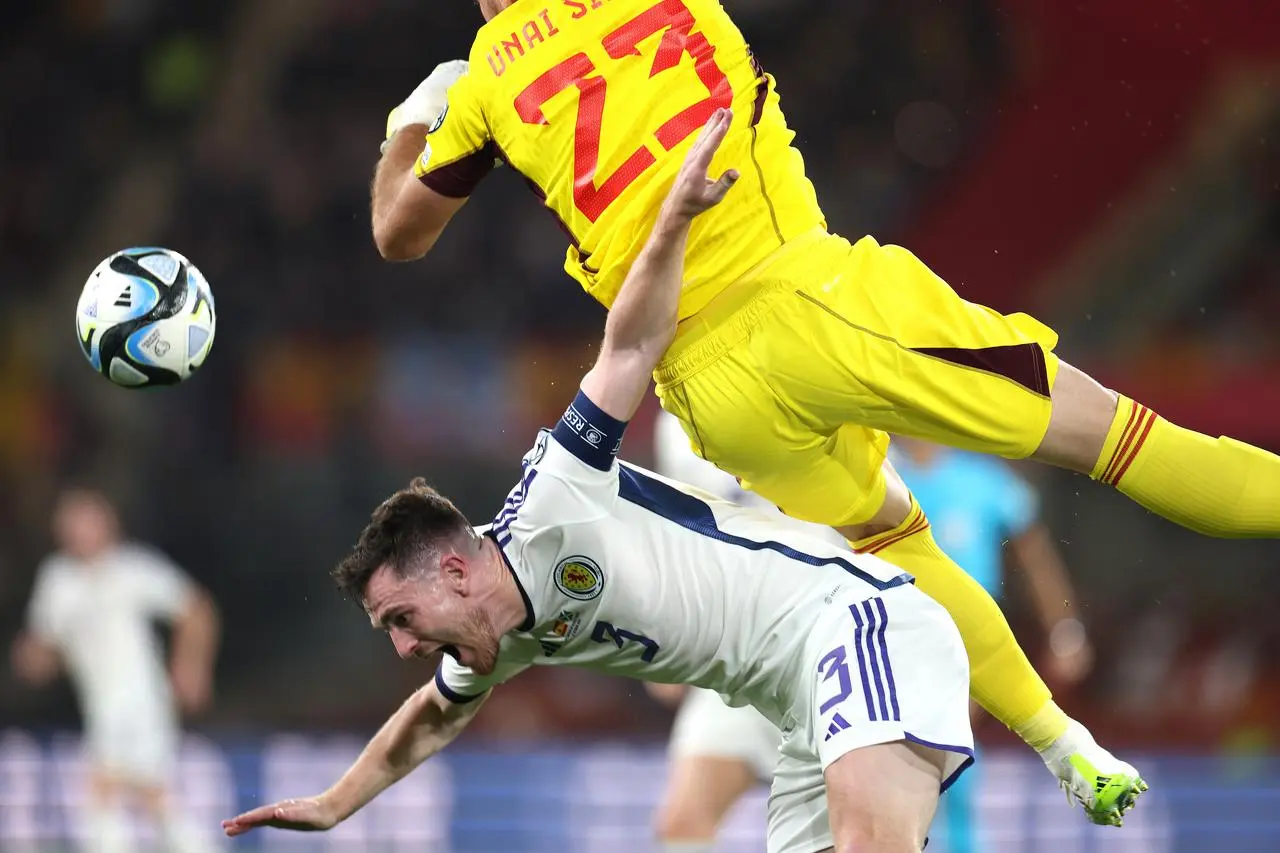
[{"x": 791, "y": 379}]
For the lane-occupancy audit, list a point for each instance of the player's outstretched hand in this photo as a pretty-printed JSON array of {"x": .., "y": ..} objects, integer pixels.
[
  {"x": 311, "y": 814},
  {"x": 693, "y": 191}
]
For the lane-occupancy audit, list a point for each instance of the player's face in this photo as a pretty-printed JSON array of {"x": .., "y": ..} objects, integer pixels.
[
  {"x": 428, "y": 613},
  {"x": 84, "y": 524}
]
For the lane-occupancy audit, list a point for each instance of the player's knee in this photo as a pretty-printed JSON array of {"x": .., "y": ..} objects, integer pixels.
[
  {"x": 878, "y": 839},
  {"x": 684, "y": 819}
]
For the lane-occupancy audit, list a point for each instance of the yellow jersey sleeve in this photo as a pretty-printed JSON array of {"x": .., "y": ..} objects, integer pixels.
[
  {"x": 458, "y": 152},
  {"x": 596, "y": 102}
]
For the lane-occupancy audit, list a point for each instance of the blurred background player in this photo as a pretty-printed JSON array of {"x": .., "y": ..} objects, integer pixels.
[
  {"x": 979, "y": 507},
  {"x": 90, "y": 615}
]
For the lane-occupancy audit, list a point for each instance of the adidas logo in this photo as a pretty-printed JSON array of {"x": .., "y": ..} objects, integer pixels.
[
  {"x": 125, "y": 299},
  {"x": 838, "y": 724},
  {"x": 1100, "y": 783}
]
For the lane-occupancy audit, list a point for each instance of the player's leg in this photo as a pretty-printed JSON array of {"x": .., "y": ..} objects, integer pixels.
[
  {"x": 171, "y": 824},
  {"x": 152, "y": 753},
  {"x": 1216, "y": 486},
  {"x": 895, "y": 348},
  {"x": 882, "y": 798},
  {"x": 107, "y": 806},
  {"x": 700, "y": 791},
  {"x": 900, "y": 733},
  {"x": 718, "y": 753},
  {"x": 886, "y": 671},
  {"x": 107, "y": 815}
]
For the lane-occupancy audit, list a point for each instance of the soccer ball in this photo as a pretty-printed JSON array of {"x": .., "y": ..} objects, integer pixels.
[{"x": 145, "y": 318}]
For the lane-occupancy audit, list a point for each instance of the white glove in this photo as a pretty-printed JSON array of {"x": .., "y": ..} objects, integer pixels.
[{"x": 428, "y": 101}]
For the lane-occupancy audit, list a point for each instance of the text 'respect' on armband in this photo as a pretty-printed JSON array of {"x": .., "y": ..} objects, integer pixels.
[{"x": 589, "y": 434}]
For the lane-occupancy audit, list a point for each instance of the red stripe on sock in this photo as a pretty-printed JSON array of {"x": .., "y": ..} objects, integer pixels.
[
  {"x": 1125, "y": 436},
  {"x": 1123, "y": 453},
  {"x": 913, "y": 517},
  {"x": 919, "y": 525},
  {"x": 1146, "y": 430},
  {"x": 1126, "y": 442}
]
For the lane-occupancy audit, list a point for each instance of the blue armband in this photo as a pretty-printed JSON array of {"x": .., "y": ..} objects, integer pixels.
[{"x": 589, "y": 434}]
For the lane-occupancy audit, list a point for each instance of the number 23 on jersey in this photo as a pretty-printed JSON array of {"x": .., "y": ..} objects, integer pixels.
[{"x": 592, "y": 192}]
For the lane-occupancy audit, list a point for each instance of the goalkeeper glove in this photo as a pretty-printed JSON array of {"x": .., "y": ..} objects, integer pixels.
[{"x": 428, "y": 102}]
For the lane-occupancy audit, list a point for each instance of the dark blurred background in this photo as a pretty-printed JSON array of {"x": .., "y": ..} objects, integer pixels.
[{"x": 1113, "y": 168}]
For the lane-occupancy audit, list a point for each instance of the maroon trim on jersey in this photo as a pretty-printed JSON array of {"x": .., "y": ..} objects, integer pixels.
[
  {"x": 1021, "y": 363},
  {"x": 762, "y": 89},
  {"x": 538, "y": 191},
  {"x": 459, "y": 178}
]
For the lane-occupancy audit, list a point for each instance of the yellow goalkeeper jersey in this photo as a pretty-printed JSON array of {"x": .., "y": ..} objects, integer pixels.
[{"x": 595, "y": 103}]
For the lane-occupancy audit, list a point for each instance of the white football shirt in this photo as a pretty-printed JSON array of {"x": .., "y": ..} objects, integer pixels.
[
  {"x": 99, "y": 617},
  {"x": 629, "y": 573}
]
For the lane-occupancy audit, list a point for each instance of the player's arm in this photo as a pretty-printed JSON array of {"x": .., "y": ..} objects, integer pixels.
[
  {"x": 424, "y": 725},
  {"x": 408, "y": 216},
  {"x": 196, "y": 630},
  {"x": 436, "y": 151},
  {"x": 1049, "y": 584},
  {"x": 34, "y": 659},
  {"x": 169, "y": 594},
  {"x": 1053, "y": 595},
  {"x": 34, "y": 654},
  {"x": 642, "y": 321}
]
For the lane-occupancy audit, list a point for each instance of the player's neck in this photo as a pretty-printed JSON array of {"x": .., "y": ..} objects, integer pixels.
[{"x": 506, "y": 601}]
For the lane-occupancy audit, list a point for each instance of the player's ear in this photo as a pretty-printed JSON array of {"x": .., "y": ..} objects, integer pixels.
[{"x": 455, "y": 571}]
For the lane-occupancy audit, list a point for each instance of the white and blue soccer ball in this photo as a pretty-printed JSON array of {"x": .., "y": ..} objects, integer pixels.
[{"x": 146, "y": 318}]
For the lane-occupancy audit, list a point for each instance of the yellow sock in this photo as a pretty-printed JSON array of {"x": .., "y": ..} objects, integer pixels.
[
  {"x": 1001, "y": 679},
  {"x": 1219, "y": 487}
]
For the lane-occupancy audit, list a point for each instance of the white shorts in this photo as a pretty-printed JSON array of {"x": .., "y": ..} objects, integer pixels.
[
  {"x": 706, "y": 726},
  {"x": 887, "y": 669},
  {"x": 139, "y": 747}
]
